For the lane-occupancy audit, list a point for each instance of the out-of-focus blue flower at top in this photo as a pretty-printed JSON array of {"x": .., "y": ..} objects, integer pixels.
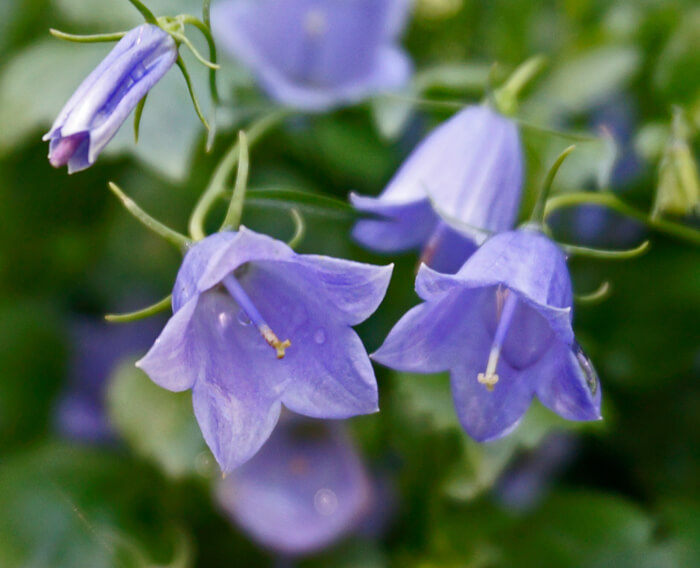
[
  {"x": 502, "y": 327},
  {"x": 233, "y": 289},
  {"x": 103, "y": 101},
  {"x": 316, "y": 54},
  {"x": 463, "y": 180},
  {"x": 305, "y": 489}
]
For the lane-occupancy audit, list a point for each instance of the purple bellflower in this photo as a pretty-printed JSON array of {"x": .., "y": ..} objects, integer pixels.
[
  {"x": 502, "y": 327},
  {"x": 306, "y": 489},
  {"x": 316, "y": 54},
  {"x": 93, "y": 115},
  {"x": 233, "y": 289},
  {"x": 461, "y": 183}
]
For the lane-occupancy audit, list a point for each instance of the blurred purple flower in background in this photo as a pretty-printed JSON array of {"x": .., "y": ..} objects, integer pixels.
[
  {"x": 502, "y": 327},
  {"x": 103, "y": 101},
  {"x": 316, "y": 54},
  {"x": 469, "y": 170},
  {"x": 306, "y": 488},
  {"x": 98, "y": 347},
  {"x": 232, "y": 291},
  {"x": 525, "y": 483}
]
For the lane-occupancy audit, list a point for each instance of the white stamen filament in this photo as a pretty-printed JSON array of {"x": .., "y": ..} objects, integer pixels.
[{"x": 505, "y": 311}]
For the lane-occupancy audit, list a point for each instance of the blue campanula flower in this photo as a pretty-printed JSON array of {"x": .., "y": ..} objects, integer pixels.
[
  {"x": 237, "y": 292},
  {"x": 466, "y": 175},
  {"x": 304, "y": 490},
  {"x": 316, "y": 54},
  {"x": 502, "y": 327},
  {"x": 103, "y": 101}
]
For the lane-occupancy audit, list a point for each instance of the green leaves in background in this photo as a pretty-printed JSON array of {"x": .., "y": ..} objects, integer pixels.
[{"x": 158, "y": 425}]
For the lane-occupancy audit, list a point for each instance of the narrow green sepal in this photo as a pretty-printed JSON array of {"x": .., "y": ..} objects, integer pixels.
[
  {"x": 611, "y": 201},
  {"x": 144, "y": 313},
  {"x": 506, "y": 97},
  {"x": 145, "y": 12},
  {"x": 205, "y": 29},
  {"x": 235, "y": 207},
  {"x": 177, "y": 239},
  {"x": 574, "y": 250},
  {"x": 603, "y": 292},
  {"x": 190, "y": 87},
  {"x": 92, "y": 38},
  {"x": 137, "y": 118},
  {"x": 299, "y": 228},
  {"x": 538, "y": 212}
]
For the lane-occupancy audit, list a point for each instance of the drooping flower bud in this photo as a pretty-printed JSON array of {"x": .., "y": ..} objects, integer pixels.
[
  {"x": 464, "y": 180},
  {"x": 97, "y": 109}
]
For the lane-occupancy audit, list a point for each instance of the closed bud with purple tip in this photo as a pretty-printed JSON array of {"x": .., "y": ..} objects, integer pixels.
[
  {"x": 461, "y": 183},
  {"x": 256, "y": 326},
  {"x": 306, "y": 488},
  {"x": 95, "y": 112},
  {"x": 316, "y": 54},
  {"x": 502, "y": 327}
]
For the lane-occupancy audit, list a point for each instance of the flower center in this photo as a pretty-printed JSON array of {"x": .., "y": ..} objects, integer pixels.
[
  {"x": 315, "y": 23},
  {"x": 243, "y": 300},
  {"x": 434, "y": 242},
  {"x": 506, "y": 303}
]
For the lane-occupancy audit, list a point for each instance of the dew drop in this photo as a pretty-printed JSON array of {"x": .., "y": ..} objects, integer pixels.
[
  {"x": 224, "y": 319},
  {"x": 320, "y": 336},
  {"x": 325, "y": 502},
  {"x": 243, "y": 318}
]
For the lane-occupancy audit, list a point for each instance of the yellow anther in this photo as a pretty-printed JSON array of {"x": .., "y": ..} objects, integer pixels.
[
  {"x": 273, "y": 341},
  {"x": 489, "y": 380}
]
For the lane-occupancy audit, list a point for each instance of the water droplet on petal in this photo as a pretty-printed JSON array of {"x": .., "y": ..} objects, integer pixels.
[
  {"x": 224, "y": 319},
  {"x": 320, "y": 336},
  {"x": 325, "y": 502},
  {"x": 243, "y": 318}
]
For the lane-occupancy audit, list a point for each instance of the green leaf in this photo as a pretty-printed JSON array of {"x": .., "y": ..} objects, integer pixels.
[
  {"x": 158, "y": 424},
  {"x": 65, "y": 507}
]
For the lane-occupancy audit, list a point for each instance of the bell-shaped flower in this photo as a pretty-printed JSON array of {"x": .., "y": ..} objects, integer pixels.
[
  {"x": 103, "y": 101},
  {"x": 316, "y": 54},
  {"x": 502, "y": 327},
  {"x": 304, "y": 490},
  {"x": 255, "y": 326},
  {"x": 461, "y": 183}
]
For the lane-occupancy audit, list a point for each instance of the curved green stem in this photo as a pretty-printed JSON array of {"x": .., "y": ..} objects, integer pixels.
[
  {"x": 599, "y": 295},
  {"x": 180, "y": 241},
  {"x": 235, "y": 207},
  {"x": 299, "y": 228},
  {"x": 610, "y": 201},
  {"x": 185, "y": 73},
  {"x": 206, "y": 32},
  {"x": 574, "y": 250},
  {"x": 145, "y": 12},
  {"x": 92, "y": 38},
  {"x": 182, "y": 38},
  {"x": 539, "y": 209},
  {"x": 144, "y": 313},
  {"x": 206, "y": 11},
  {"x": 217, "y": 184}
]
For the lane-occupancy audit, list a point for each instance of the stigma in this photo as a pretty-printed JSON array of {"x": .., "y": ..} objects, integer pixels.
[{"x": 246, "y": 304}]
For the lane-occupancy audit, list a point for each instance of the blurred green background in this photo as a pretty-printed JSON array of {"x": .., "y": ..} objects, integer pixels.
[{"x": 626, "y": 491}]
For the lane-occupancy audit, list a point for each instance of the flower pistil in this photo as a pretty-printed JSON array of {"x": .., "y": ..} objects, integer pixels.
[{"x": 506, "y": 303}]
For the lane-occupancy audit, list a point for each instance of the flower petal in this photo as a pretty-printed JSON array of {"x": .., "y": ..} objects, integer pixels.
[
  {"x": 355, "y": 288},
  {"x": 326, "y": 371},
  {"x": 488, "y": 415},
  {"x": 172, "y": 362},
  {"x": 234, "y": 424},
  {"x": 402, "y": 226},
  {"x": 568, "y": 384},
  {"x": 434, "y": 336}
]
